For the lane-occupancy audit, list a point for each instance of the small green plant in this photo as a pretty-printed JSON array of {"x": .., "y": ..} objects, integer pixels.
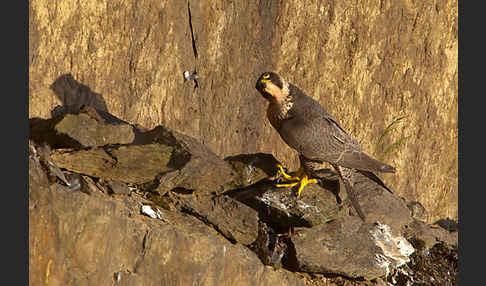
[{"x": 380, "y": 149}]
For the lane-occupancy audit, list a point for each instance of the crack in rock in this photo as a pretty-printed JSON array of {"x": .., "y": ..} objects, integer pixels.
[{"x": 143, "y": 252}]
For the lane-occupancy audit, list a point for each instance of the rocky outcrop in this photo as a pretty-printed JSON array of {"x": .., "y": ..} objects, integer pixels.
[
  {"x": 97, "y": 239},
  {"x": 369, "y": 62},
  {"x": 163, "y": 209},
  {"x": 349, "y": 247}
]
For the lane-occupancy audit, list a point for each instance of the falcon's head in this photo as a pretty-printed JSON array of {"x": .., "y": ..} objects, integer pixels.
[{"x": 273, "y": 87}]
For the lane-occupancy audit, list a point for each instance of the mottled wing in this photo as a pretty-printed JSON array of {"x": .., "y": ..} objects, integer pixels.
[{"x": 313, "y": 132}]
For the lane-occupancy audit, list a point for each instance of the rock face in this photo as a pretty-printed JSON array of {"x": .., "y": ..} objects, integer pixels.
[
  {"x": 347, "y": 246},
  {"x": 165, "y": 210},
  {"x": 369, "y": 63},
  {"x": 80, "y": 239}
]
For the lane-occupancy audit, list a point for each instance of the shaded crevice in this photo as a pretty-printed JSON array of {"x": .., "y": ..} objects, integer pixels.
[
  {"x": 43, "y": 131},
  {"x": 152, "y": 185},
  {"x": 289, "y": 259},
  {"x": 180, "y": 155},
  {"x": 111, "y": 155},
  {"x": 273, "y": 246},
  {"x": 143, "y": 252},
  {"x": 194, "y": 49},
  {"x": 269, "y": 246},
  {"x": 182, "y": 191},
  {"x": 203, "y": 219}
]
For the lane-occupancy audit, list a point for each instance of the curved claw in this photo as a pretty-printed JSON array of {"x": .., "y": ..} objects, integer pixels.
[
  {"x": 289, "y": 177},
  {"x": 305, "y": 181},
  {"x": 300, "y": 178},
  {"x": 287, "y": 185},
  {"x": 285, "y": 175}
]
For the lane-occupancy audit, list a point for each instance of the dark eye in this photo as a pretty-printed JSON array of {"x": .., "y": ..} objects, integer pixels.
[{"x": 265, "y": 76}]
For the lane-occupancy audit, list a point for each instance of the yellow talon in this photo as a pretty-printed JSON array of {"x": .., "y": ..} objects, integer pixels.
[
  {"x": 303, "y": 182},
  {"x": 286, "y": 185},
  {"x": 289, "y": 177},
  {"x": 299, "y": 178}
]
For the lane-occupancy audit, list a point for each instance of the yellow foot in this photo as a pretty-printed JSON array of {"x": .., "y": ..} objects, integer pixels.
[
  {"x": 289, "y": 177},
  {"x": 303, "y": 182},
  {"x": 287, "y": 185},
  {"x": 299, "y": 178}
]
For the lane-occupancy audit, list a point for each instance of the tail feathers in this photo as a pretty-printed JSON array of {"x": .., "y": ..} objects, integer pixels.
[
  {"x": 384, "y": 168},
  {"x": 377, "y": 166},
  {"x": 361, "y": 161}
]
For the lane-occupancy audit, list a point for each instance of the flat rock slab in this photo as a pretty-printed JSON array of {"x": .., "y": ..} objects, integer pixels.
[
  {"x": 91, "y": 132},
  {"x": 161, "y": 158},
  {"x": 80, "y": 130},
  {"x": 201, "y": 171},
  {"x": 136, "y": 164},
  {"x": 233, "y": 219},
  {"x": 280, "y": 206},
  {"x": 349, "y": 247},
  {"x": 380, "y": 205}
]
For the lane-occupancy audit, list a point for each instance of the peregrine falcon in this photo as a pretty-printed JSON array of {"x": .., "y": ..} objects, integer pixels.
[{"x": 317, "y": 137}]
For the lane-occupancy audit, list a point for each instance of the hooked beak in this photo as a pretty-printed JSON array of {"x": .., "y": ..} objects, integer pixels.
[{"x": 263, "y": 83}]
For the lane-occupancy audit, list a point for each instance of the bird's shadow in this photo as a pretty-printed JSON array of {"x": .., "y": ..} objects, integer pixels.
[{"x": 76, "y": 96}]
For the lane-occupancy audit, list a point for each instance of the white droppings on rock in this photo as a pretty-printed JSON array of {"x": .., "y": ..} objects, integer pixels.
[
  {"x": 307, "y": 207},
  {"x": 395, "y": 249},
  {"x": 147, "y": 210},
  {"x": 270, "y": 200},
  {"x": 249, "y": 172}
]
